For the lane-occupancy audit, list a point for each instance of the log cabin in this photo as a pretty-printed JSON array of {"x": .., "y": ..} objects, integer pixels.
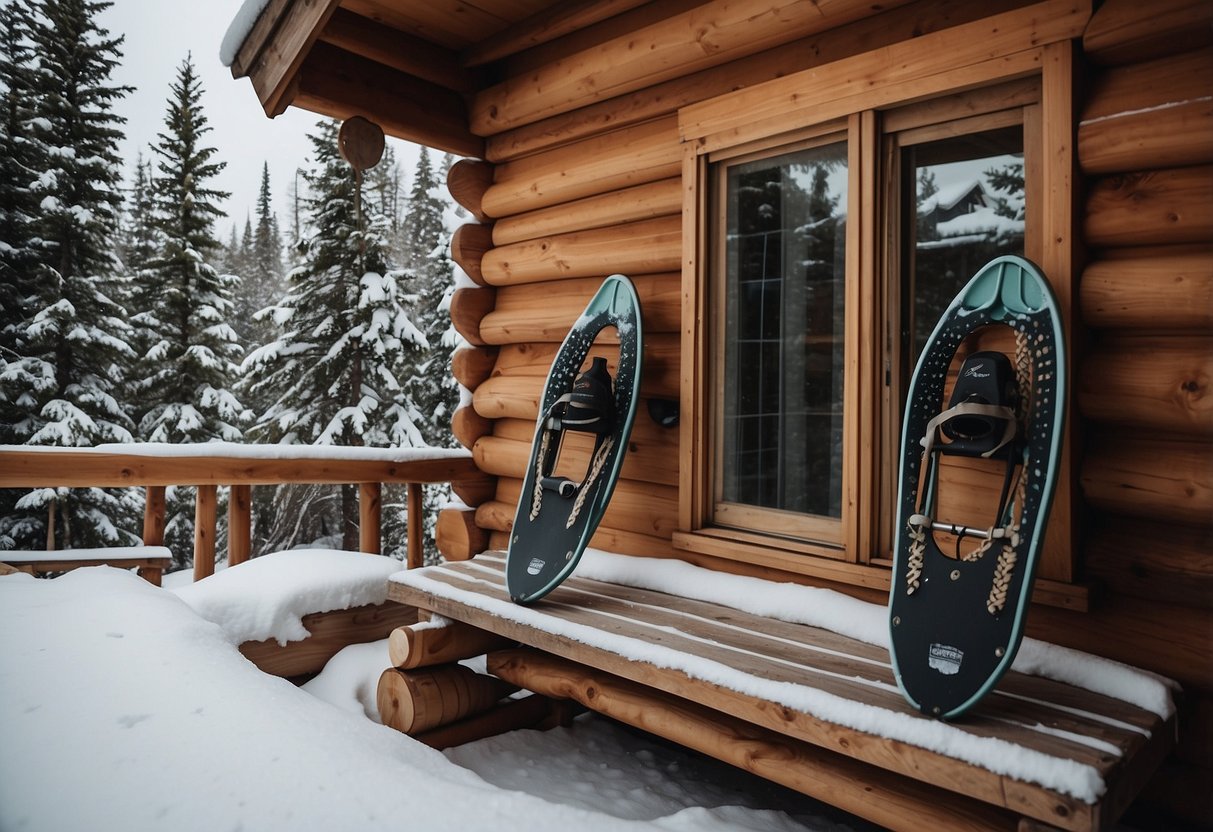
[{"x": 762, "y": 169}]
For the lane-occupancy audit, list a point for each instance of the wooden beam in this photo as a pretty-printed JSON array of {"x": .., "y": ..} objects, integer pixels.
[
  {"x": 273, "y": 71},
  {"x": 370, "y": 511},
  {"x": 153, "y": 516},
  {"x": 544, "y": 26},
  {"x": 329, "y": 633},
  {"x": 205, "y": 521},
  {"x": 1156, "y": 479},
  {"x": 458, "y": 536},
  {"x": 257, "y": 37},
  {"x": 1152, "y": 289},
  {"x": 1160, "y": 384},
  {"x": 872, "y": 793},
  {"x": 416, "y": 553},
  {"x": 340, "y": 84},
  {"x": 642, "y": 202},
  {"x": 426, "y": 645},
  {"x": 1162, "y": 207},
  {"x": 1128, "y": 31},
  {"x": 82, "y": 468},
  {"x": 532, "y": 711},
  {"x": 396, "y": 49},
  {"x": 413, "y": 701}
]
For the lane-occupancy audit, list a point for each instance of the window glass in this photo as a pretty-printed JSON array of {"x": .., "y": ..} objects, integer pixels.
[{"x": 780, "y": 398}]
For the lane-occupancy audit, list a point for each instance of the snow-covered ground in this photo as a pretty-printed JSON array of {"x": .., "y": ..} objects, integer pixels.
[{"x": 124, "y": 708}]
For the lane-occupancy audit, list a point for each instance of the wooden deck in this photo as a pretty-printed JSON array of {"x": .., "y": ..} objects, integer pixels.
[{"x": 593, "y": 627}]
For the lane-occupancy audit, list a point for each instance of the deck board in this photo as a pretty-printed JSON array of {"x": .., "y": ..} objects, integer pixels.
[{"x": 1045, "y": 717}]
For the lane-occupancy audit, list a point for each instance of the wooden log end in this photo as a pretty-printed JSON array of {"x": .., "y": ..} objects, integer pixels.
[
  {"x": 467, "y": 180},
  {"x": 468, "y": 308},
  {"x": 469, "y": 244},
  {"x": 414, "y": 701},
  {"x": 467, "y": 425},
  {"x": 472, "y": 365},
  {"x": 473, "y": 492},
  {"x": 458, "y": 536},
  {"x": 425, "y": 645}
]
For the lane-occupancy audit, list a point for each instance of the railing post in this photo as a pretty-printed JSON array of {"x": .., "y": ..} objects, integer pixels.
[
  {"x": 370, "y": 507},
  {"x": 205, "y": 511},
  {"x": 153, "y": 516},
  {"x": 415, "y": 525},
  {"x": 239, "y": 524}
]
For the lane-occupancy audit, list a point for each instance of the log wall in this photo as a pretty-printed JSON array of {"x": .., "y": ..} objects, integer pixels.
[{"x": 583, "y": 180}]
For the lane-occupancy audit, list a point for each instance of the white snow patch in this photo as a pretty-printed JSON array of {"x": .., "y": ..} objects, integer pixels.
[
  {"x": 110, "y": 553},
  {"x": 237, "y": 450},
  {"x": 238, "y": 30}
]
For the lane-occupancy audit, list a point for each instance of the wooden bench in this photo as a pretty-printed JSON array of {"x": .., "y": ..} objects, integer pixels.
[
  {"x": 639, "y": 656},
  {"x": 151, "y": 561}
]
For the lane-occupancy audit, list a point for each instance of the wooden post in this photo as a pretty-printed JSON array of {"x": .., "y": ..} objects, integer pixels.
[
  {"x": 50, "y": 524},
  {"x": 415, "y": 552},
  {"x": 239, "y": 524},
  {"x": 205, "y": 510},
  {"x": 370, "y": 508},
  {"x": 153, "y": 516}
]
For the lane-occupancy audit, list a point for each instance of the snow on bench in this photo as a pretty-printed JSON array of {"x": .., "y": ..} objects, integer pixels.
[
  {"x": 290, "y": 612},
  {"x": 1067, "y": 738},
  {"x": 151, "y": 561}
]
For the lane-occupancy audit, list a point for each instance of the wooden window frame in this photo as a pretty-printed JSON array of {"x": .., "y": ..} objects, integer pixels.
[{"x": 1034, "y": 49}]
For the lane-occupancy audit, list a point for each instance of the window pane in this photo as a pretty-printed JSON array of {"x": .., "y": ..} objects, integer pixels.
[
  {"x": 967, "y": 208},
  {"x": 781, "y": 409}
]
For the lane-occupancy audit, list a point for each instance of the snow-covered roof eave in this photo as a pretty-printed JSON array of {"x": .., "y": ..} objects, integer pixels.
[{"x": 238, "y": 30}]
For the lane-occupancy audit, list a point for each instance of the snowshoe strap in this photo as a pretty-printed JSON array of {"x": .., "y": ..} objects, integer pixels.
[{"x": 990, "y": 411}]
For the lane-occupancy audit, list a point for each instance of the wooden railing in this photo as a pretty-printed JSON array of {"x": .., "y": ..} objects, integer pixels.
[{"x": 241, "y": 467}]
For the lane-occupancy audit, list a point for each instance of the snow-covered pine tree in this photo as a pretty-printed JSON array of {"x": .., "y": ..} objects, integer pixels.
[
  {"x": 333, "y": 375},
  {"x": 70, "y": 347},
  {"x": 186, "y": 378},
  {"x": 17, "y": 250},
  {"x": 428, "y": 259}
]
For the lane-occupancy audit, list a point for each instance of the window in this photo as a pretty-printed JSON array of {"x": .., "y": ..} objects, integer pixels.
[{"x": 825, "y": 248}]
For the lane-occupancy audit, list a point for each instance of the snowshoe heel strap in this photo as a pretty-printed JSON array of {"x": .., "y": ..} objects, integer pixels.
[{"x": 981, "y": 416}]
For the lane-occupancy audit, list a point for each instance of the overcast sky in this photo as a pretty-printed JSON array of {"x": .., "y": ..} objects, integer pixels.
[{"x": 159, "y": 34}]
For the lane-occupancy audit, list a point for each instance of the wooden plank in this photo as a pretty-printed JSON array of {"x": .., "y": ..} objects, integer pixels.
[
  {"x": 329, "y": 633},
  {"x": 1156, "y": 290},
  {"x": 899, "y": 24},
  {"x": 370, "y": 511},
  {"x": 642, "y": 202},
  {"x": 1162, "y": 207},
  {"x": 603, "y": 163},
  {"x": 546, "y": 311},
  {"x": 922, "y": 764},
  {"x": 453, "y": 24},
  {"x": 274, "y": 70},
  {"x": 544, "y": 26},
  {"x": 239, "y": 523},
  {"x": 645, "y": 247},
  {"x": 205, "y": 519},
  {"x": 711, "y": 34},
  {"x": 341, "y": 85},
  {"x": 892, "y": 802},
  {"x": 71, "y": 468},
  {"x": 391, "y": 47},
  {"x": 1125, "y": 31},
  {"x": 985, "y": 48},
  {"x": 1158, "y": 383},
  {"x": 66, "y": 563}
]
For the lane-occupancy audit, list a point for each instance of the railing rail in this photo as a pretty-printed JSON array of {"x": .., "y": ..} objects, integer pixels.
[{"x": 208, "y": 466}]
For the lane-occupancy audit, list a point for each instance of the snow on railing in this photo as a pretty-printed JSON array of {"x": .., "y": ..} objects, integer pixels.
[{"x": 206, "y": 466}]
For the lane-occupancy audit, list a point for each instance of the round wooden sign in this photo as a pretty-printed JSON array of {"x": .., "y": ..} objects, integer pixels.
[{"x": 360, "y": 142}]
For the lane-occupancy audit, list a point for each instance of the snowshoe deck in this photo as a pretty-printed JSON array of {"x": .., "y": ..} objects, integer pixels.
[
  {"x": 556, "y": 515},
  {"x": 956, "y": 622}
]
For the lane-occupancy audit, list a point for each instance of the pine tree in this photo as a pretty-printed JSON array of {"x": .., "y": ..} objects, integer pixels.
[
  {"x": 187, "y": 377},
  {"x": 18, "y": 253},
  {"x": 70, "y": 346},
  {"x": 333, "y": 375}
]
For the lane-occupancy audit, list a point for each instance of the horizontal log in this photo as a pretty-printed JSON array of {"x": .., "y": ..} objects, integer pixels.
[
  {"x": 608, "y": 540},
  {"x": 642, "y": 202},
  {"x": 466, "y": 181},
  {"x": 1157, "y": 383},
  {"x": 1155, "y": 291},
  {"x": 71, "y": 468},
  {"x": 1164, "y": 207},
  {"x": 532, "y": 711},
  {"x": 644, "y": 247},
  {"x": 330, "y": 632},
  {"x": 457, "y": 535},
  {"x": 413, "y": 701},
  {"x": 475, "y": 491},
  {"x": 1149, "y": 478},
  {"x": 468, "y": 246},
  {"x": 1147, "y": 116},
  {"x": 468, "y": 425},
  {"x": 427, "y": 644},
  {"x": 652, "y": 451},
  {"x": 1126, "y": 31},
  {"x": 546, "y": 311},
  {"x": 712, "y": 34},
  {"x": 608, "y": 162},
  {"x": 659, "y": 371},
  {"x": 641, "y": 507},
  {"x": 468, "y": 308},
  {"x": 879, "y": 796},
  {"x": 472, "y": 365},
  {"x": 508, "y": 398},
  {"x": 1160, "y": 561},
  {"x": 891, "y": 26}
]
